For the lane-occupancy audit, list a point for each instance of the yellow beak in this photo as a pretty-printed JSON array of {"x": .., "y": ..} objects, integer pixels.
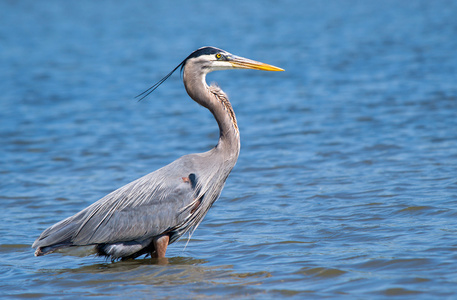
[{"x": 244, "y": 63}]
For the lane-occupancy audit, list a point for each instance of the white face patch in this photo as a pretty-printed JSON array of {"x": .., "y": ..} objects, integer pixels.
[
  {"x": 221, "y": 65},
  {"x": 213, "y": 63}
]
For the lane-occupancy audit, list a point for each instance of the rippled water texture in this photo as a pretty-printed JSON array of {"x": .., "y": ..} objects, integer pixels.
[{"x": 346, "y": 184}]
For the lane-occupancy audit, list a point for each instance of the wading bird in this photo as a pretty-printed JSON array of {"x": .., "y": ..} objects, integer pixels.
[{"x": 148, "y": 214}]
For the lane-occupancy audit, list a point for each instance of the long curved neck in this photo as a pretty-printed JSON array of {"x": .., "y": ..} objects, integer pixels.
[{"x": 214, "y": 99}]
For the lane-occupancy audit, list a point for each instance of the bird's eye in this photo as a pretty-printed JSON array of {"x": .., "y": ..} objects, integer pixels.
[{"x": 218, "y": 56}]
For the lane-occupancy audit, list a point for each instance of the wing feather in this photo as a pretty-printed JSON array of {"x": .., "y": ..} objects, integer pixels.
[{"x": 145, "y": 207}]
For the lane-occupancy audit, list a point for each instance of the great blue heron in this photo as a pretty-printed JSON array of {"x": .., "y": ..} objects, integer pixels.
[{"x": 148, "y": 214}]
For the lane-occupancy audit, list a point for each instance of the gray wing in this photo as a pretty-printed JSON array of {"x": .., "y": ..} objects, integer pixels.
[{"x": 142, "y": 209}]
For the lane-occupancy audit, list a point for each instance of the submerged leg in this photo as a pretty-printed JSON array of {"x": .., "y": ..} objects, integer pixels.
[{"x": 160, "y": 245}]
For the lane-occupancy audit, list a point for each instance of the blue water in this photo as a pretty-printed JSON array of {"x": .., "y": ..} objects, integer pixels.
[{"x": 346, "y": 186}]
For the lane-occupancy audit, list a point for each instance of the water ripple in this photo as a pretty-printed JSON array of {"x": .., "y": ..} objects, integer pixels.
[{"x": 346, "y": 182}]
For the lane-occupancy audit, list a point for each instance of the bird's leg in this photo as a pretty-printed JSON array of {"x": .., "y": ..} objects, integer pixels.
[{"x": 160, "y": 245}]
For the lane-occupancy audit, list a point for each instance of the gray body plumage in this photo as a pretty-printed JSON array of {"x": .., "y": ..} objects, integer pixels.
[{"x": 170, "y": 201}]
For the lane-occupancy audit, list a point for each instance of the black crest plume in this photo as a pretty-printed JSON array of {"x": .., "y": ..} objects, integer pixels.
[{"x": 156, "y": 85}]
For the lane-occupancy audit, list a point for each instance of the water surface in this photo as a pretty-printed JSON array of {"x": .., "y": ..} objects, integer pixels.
[{"x": 346, "y": 184}]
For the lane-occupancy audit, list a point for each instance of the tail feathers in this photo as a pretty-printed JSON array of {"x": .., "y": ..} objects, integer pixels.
[
  {"x": 40, "y": 251},
  {"x": 67, "y": 249},
  {"x": 60, "y": 234}
]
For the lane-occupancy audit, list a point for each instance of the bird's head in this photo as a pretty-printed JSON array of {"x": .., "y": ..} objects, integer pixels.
[
  {"x": 208, "y": 59},
  {"x": 213, "y": 59}
]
